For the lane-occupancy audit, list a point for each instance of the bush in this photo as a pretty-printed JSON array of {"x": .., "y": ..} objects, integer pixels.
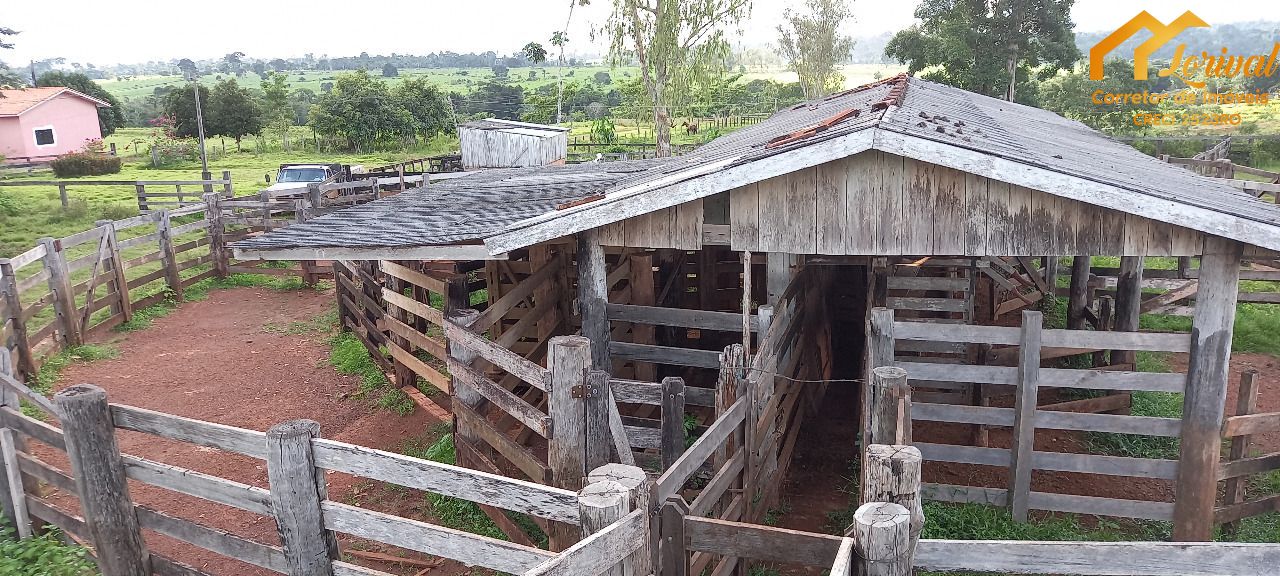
[
  {"x": 79, "y": 164},
  {"x": 41, "y": 555},
  {"x": 8, "y": 204}
]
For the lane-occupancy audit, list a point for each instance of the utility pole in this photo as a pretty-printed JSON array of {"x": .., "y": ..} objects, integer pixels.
[{"x": 204, "y": 159}]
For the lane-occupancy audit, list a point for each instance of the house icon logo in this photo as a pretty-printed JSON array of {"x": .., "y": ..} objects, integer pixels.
[{"x": 1161, "y": 34}]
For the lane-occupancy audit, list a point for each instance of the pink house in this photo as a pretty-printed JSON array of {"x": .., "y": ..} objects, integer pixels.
[{"x": 38, "y": 124}]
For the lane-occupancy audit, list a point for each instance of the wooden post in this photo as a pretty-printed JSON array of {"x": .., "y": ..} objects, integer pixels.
[
  {"x": 893, "y": 475},
  {"x": 729, "y": 384},
  {"x": 1078, "y": 299},
  {"x": 141, "y": 191},
  {"x": 568, "y": 359},
  {"x": 599, "y": 505},
  {"x": 883, "y": 539},
  {"x": 1206, "y": 393},
  {"x": 640, "y": 496},
  {"x": 593, "y": 293},
  {"x": 598, "y": 438},
  {"x": 227, "y": 191},
  {"x": 14, "y": 498},
  {"x": 1246, "y": 403},
  {"x": 888, "y": 407},
  {"x": 296, "y": 492},
  {"x": 672, "y": 420},
  {"x": 746, "y": 303},
  {"x": 674, "y": 561},
  {"x": 25, "y": 364},
  {"x": 1106, "y": 315},
  {"x": 62, "y": 194},
  {"x": 1129, "y": 305},
  {"x": 881, "y": 348},
  {"x": 777, "y": 275},
  {"x": 402, "y": 374},
  {"x": 217, "y": 245},
  {"x": 461, "y": 391},
  {"x": 100, "y": 481},
  {"x": 1184, "y": 267},
  {"x": 169, "y": 258},
  {"x": 114, "y": 264},
  {"x": 64, "y": 302},
  {"x": 1049, "y": 267},
  {"x": 1024, "y": 406},
  {"x": 642, "y": 286}
]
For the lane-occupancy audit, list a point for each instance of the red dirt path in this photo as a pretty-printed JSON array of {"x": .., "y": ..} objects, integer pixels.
[{"x": 215, "y": 360}]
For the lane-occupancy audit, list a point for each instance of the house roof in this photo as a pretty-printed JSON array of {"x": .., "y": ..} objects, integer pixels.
[
  {"x": 901, "y": 115},
  {"x": 15, "y": 101}
]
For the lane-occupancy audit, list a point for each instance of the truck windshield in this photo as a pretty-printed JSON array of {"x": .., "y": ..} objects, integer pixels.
[{"x": 301, "y": 175}]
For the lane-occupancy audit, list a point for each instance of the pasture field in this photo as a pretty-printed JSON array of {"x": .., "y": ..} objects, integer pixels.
[{"x": 464, "y": 79}]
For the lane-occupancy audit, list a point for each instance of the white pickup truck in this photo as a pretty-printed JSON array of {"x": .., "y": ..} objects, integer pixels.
[{"x": 292, "y": 179}]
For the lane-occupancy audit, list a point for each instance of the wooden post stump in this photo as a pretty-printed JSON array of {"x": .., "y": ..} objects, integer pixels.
[
  {"x": 100, "y": 481},
  {"x": 599, "y": 505},
  {"x": 640, "y": 495},
  {"x": 217, "y": 243},
  {"x": 296, "y": 492},
  {"x": 671, "y": 546},
  {"x": 883, "y": 539},
  {"x": 599, "y": 439},
  {"x": 892, "y": 474},
  {"x": 673, "y": 433},
  {"x": 888, "y": 407},
  {"x": 568, "y": 359}
]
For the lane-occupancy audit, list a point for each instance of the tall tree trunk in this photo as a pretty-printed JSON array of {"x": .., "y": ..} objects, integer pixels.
[
  {"x": 661, "y": 116},
  {"x": 1011, "y": 68}
]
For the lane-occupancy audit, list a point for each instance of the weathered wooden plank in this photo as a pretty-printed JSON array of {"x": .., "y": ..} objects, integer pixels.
[
  {"x": 919, "y": 187},
  {"x": 765, "y": 543},
  {"x": 1242, "y": 510},
  {"x": 1249, "y": 424},
  {"x": 599, "y": 551},
  {"x": 665, "y": 355},
  {"x": 32, "y": 428},
  {"x": 465, "y": 483},
  {"x": 1006, "y": 375},
  {"x": 965, "y": 494},
  {"x": 985, "y": 415},
  {"x": 963, "y": 454},
  {"x": 1102, "y": 506},
  {"x": 1246, "y": 466},
  {"x": 950, "y": 213},
  {"x": 511, "y": 404},
  {"x": 719, "y": 484},
  {"x": 192, "y": 483},
  {"x": 1107, "y": 465},
  {"x": 702, "y": 319},
  {"x": 512, "y": 363},
  {"x": 830, "y": 184},
  {"x": 927, "y": 304},
  {"x": 432, "y": 346},
  {"x": 636, "y": 392},
  {"x": 943, "y": 283},
  {"x": 1150, "y": 341},
  {"x": 1021, "y": 231},
  {"x": 426, "y": 371},
  {"x": 413, "y": 307},
  {"x": 929, "y": 331},
  {"x": 862, "y": 203},
  {"x": 521, "y": 457},
  {"x": 1146, "y": 425},
  {"x": 744, "y": 218},
  {"x": 1097, "y": 558},
  {"x": 1022, "y": 446},
  {"x": 1000, "y": 219},
  {"x": 774, "y": 233},
  {"x": 218, "y": 541},
  {"x": 678, "y": 473},
  {"x": 209, "y": 434},
  {"x": 431, "y": 539},
  {"x": 413, "y": 276}
]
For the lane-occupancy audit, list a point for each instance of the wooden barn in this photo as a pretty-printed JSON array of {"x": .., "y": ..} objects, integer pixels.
[
  {"x": 495, "y": 143},
  {"x": 740, "y": 293}
]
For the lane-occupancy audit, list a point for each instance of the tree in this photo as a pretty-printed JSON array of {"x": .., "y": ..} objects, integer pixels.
[
  {"x": 279, "y": 64},
  {"x": 988, "y": 46},
  {"x": 180, "y": 107},
  {"x": 233, "y": 112},
  {"x": 678, "y": 44},
  {"x": 389, "y": 70},
  {"x": 1069, "y": 95},
  {"x": 603, "y": 78},
  {"x": 301, "y": 100},
  {"x": 812, "y": 45},
  {"x": 7, "y": 76},
  {"x": 108, "y": 118},
  {"x": 259, "y": 67},
  {"x": 499, "y": 71},
  {"x": 277, "y": 109},
  {"x": 534, "y": 53},
  {"x": 426, "y": 105},
  {"x": 360, "y": 110},
  {"x": 496, "y": 99},
  {"x": 188, "y": 69},
  {"x": 234, "y": 63}
]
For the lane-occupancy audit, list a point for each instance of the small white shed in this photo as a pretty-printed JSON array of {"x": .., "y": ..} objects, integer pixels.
[{"x": 494, "y": 143}]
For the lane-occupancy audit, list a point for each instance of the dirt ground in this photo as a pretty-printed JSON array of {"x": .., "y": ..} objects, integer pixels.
[{"x": 226, "y": 360}]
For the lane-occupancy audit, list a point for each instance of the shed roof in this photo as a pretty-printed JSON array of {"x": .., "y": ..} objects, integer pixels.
[
  {"x": 514, "y": 127},
  {"x": 902, "y": 115},
  {"x": 15, "y": 101}
]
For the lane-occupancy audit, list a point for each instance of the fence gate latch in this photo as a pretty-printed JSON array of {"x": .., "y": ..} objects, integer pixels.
[{"x": 584, "y": 391}]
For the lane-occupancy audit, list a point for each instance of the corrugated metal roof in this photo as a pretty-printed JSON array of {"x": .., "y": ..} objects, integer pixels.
[
  {"x": 513, "y": 126},
  {"x": 477, "y": 207}
]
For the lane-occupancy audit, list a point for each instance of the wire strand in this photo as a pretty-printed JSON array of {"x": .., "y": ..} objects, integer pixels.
[{"x": 804, "y": 381}]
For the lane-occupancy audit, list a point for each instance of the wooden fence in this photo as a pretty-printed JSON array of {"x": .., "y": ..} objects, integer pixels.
[
  {"x": 148, "y": 200},
  {"x": 296, "y": 458}
]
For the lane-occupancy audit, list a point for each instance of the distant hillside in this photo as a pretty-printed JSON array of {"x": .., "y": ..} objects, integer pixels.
[{"x": 1240, "y": 38}]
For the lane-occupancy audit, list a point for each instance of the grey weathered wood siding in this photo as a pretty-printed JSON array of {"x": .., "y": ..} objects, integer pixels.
[
  {"x": 876, "y": 203},
  {"x": 677, "y": 227},
  {"x": 510, "y": 148}
]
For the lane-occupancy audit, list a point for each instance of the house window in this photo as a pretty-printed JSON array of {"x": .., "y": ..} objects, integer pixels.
[{"x": 44, "y": 137}]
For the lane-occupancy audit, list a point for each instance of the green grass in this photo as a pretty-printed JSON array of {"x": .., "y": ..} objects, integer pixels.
[
  {"x": 51, "y": 370},
  {"x": 437, "y": 446},
  {"x": 43, "y": 555},
  {"x": 1154, "y": 404},
  {"x": 349, "y": 356}
]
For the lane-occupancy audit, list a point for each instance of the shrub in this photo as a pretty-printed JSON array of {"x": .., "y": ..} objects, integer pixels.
[
  {"x": 8, "y": 204},
  {"x": 118, "y": 211},
  {"x": 41, "y": 555},
  {"x": 79, "y": 164}
]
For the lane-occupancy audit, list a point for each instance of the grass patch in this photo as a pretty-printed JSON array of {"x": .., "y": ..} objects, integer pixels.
[
  {"x": 349, "y": 356},
  {"x": 323, "y": 323},
  {"x": 51, "y": 371},
  {"x": 1155, "y": 404},
  {"x": 43, "y": 555},
  {"x": 453, "y": 512}
]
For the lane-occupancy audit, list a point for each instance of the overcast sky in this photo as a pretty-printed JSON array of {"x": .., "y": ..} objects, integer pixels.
[{"x": 125, "y": 31}]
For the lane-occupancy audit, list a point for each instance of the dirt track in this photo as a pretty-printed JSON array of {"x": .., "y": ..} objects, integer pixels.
[{"x": 225, "y": 360}]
